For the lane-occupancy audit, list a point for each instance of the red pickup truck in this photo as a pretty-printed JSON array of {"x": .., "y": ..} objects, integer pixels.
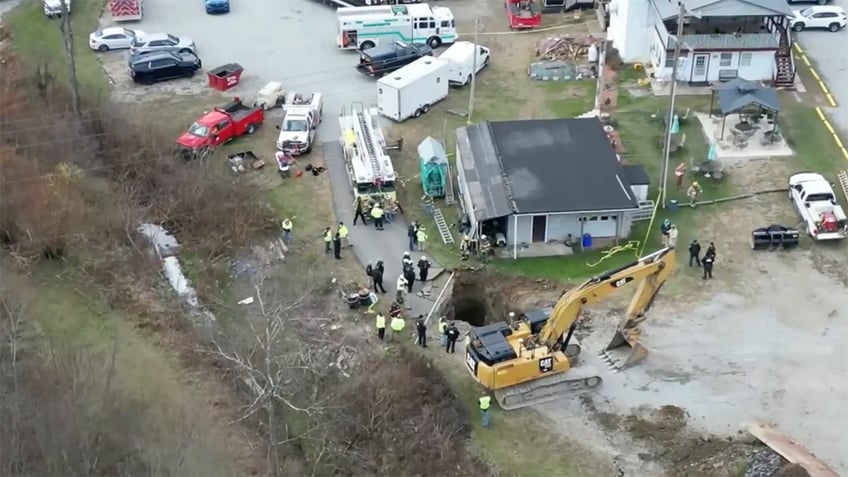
[{"x": 221, "y": 125}]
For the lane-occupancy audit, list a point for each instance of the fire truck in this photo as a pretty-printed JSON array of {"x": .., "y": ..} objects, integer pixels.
[
  {"x": 126, "y": 10},
  {"x": 369, "y": 167}
]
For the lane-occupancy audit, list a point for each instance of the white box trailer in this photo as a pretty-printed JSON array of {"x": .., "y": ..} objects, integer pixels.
[
  {"x": 461, "y": 58},
  {"x": 413, "y": 89}
]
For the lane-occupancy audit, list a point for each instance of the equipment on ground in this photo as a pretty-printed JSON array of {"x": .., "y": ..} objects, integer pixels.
[
  {"x": 369, "y": 167},
  {"x": 412, "y": 90},
  {"x": 361, "y": 28},
  {"x": 125, "y": 10},
  {"x": 774, "y": 236},
  {"x": 528, "y": 362},
  {"x": 523, "y": 14}
]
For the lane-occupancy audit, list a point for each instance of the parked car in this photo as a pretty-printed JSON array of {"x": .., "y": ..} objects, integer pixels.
[
  {"x": 820, "y": 2},
  {"x": 830, "y": 17},
  {"x": 163, "y": 65},
  {"x": 53, "y": 8},
  {"x": 149, "y": 42},
  {"x": 113, "y": 38},
  {"x": 217, "y": 6}
]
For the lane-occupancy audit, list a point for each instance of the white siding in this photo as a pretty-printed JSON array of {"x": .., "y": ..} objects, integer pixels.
[
  {"x": 631, "y": 28},
  {"x": 759, "y": 66},
  {"x": 640, "y": 191},
  {"x": 525, "y": 229},
  {"x": 560, "y": 225},
  {"x": 601, "y": 226},
  {"x": 464, "y": 196}
]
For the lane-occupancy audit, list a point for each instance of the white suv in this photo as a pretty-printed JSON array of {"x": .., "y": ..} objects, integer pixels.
[{"x": 823, "y": 16}]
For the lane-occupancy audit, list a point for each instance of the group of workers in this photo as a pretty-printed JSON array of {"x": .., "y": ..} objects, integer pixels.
[
  {"x": 334, "y": 241},
  {"x": 380, "y": 213},
  {"x": 707, "y": 261}
]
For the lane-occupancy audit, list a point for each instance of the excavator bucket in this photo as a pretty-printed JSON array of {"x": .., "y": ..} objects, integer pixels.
[{"x": 624, "y": 350}]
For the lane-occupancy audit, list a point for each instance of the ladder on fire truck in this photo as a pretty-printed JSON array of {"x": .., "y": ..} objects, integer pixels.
[{"x": 362, "y": 127}]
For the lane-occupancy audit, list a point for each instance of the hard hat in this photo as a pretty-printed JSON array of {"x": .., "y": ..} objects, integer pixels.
[
  {"x": 405, "y": 254},
  {"x": 696, "y": 184},
  {"x": 424, "y": 257}
]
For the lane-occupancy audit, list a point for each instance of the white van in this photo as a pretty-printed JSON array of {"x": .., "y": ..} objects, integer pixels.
[
  {"x": 53, "y": 8},
  {"x": 460, "y": 56}
]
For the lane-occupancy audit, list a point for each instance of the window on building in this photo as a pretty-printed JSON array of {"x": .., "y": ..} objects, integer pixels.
[
  {"x": 669, "y": 61},
  {"x": 745, "y": 59},
  {"x": 726, "y": 59}
]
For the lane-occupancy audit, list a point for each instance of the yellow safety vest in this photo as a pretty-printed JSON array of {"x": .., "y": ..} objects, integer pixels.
[
  {"x": 328, "y": 237},
  {"x": 421, "y": 236},
  {"x": 287, "y": 225},
  {"x": 343, "y": 231},
  {"x": 398, "y": 324},
  {"x": 485, "y": 402},
  {"x": 443, "y": 327},
  {"x": 381, "y": 322},
  {"x": 377, "y": 212}
]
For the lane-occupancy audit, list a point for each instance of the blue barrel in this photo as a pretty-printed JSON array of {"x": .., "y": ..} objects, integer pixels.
[
  {"x": 672, "y": 205},
  {"x": 587, "y": 240}
]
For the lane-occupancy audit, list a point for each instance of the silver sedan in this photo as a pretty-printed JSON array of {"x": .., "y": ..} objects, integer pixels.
[{"x": 148, "y": 42}]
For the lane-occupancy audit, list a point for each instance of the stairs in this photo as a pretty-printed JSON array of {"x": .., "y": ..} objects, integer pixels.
[
  {"x": 785, "y": 75},
  {"x": 442, "y": 225}
]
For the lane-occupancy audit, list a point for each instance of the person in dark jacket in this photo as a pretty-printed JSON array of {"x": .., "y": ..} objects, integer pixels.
[
  {"x": 377, "y": 276},
  {"x": 695, "y": 253},
  {"x": 360, "y": 212},
  {"x": 409, "y": 274},
  {"x": 453, "y": 335},
  {"x": 410, "y": 235},
  {"x": 337, "y": 246},
  {"x": 708, "y": 261},
  {"x": 421, "y": 328},
  {"x": 423, "y": 269},
  {"x": 711, "y": 250}
]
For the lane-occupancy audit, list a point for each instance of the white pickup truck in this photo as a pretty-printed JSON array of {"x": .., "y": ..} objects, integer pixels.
[
  {"x": 815, "y": 202},
  {"x": 303, "y": 114}
]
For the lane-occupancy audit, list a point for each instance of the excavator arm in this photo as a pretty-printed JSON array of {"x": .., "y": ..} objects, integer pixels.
[{"x": 650, "y": 272}]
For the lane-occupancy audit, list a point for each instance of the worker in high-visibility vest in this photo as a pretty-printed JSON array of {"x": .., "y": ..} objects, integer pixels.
[
  {"x": 377, "y": 215},
  {"x": 287, "y": 230},
  {"x": 443, "y": 331},
  {"x": 485, "y": 403},
  {"x": 397, "y": 325},
  {"x": 328, "y": 239},
  {"x": 381, "y": 326},
  {"x": 344, "y": 234}
]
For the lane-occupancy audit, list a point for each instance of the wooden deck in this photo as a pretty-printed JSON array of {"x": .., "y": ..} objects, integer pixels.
[{"x": 790, "y": 450}]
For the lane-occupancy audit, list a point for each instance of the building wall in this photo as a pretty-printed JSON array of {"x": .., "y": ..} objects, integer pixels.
[
  {"x": 464, "y": 196},
  {"x": 559, "y": 226},
  {"x": 640, "y": 191},
  {"x": 630, "y": 29},
  {"x": 751, "y": 65}
]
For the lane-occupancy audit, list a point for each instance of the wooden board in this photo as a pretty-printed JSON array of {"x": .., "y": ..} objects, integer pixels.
[{"x": 790, "y": 450}]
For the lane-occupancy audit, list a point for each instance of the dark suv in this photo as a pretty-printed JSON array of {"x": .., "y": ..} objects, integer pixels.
[{"x": 162, "y": 65}]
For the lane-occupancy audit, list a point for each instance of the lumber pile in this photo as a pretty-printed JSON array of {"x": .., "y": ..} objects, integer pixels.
[{"x": 561, "y": 47}]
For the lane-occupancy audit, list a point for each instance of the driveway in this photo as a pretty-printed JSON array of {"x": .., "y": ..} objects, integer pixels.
[{"x": 831, "y": 63}]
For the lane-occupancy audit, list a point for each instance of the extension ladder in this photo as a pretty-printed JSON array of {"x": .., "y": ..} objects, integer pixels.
[{"x": 444, "y": 230}]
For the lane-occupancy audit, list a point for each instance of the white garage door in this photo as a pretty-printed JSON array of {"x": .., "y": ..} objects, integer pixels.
[{"x": 600, "y": 225}]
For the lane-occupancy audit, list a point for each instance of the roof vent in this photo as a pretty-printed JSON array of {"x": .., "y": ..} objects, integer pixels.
[
  {"x": 428, "y": 62},
  {"x": 397, "y": 78}
]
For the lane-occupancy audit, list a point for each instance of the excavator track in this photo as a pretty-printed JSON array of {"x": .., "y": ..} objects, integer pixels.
[{"x": 546, "y": 389}]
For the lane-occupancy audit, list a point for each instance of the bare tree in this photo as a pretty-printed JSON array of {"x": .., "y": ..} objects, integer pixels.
[
  {"x": 282, "y": 346},
  {"x": 68, "y": 40}
]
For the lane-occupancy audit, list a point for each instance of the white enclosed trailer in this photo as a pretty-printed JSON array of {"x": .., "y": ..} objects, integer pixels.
[{"x": 413, "y": 89}]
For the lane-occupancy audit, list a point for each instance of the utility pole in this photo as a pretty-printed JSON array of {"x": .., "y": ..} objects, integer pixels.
[
  {"x": 667, "y": 150},
  {"x": 68, "y": 41},
  {"x": 473, "y": 71}
]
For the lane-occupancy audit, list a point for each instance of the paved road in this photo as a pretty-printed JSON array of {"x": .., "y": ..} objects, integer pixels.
[
  {"x": 830, "y": 55},
  {"x": 371, "y": 245}
]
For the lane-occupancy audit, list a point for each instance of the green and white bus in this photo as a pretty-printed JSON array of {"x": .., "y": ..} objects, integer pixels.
[{"x": 362, "y": 28}]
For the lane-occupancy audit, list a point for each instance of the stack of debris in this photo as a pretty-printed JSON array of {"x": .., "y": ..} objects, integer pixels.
[
  {"x": 561, "y": 47},
  {"x": 565, "y": 58}
]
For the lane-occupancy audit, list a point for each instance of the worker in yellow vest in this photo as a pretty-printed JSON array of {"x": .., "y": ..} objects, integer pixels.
[
  {"x": 344, "y": 235},
  {"x": 397, "y": 325},
  {"x": 485, "y": 403},
  {"x": 381, "y": 326},
  {"x": 443, "y": 331},
  {"x": 377, "y": 215},
  {"x": 420, "y": 237},
  {"x": 328, "y": 239},
  {"x": 287, "y": 230}
]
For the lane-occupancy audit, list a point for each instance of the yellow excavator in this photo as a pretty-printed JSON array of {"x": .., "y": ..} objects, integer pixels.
[{"x": 528, "y": 362}]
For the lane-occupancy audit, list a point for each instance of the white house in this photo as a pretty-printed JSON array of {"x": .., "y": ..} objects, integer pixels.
[
  {"x": 722, "y": 39},
  {"x": 546, "y": 180}
]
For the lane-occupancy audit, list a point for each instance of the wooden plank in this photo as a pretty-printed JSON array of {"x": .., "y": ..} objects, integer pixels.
[{"x": 790, "y": 450}]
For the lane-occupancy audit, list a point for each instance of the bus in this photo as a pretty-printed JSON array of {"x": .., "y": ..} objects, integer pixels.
[
  {"x": 362, "y": 28},
  {"x": 369, "y": 168}
]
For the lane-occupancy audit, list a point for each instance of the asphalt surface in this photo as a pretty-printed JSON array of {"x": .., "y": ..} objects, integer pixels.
[
  {"x": 830, "y": 57},
  {"x": 371, "y": 245}
]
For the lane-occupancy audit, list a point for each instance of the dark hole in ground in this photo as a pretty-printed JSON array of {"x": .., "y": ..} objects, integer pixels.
[{"x": 470, "y": 301}]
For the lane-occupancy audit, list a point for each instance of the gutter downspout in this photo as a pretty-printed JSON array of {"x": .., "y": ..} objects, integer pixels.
[{"x": 515, "y": 237}]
